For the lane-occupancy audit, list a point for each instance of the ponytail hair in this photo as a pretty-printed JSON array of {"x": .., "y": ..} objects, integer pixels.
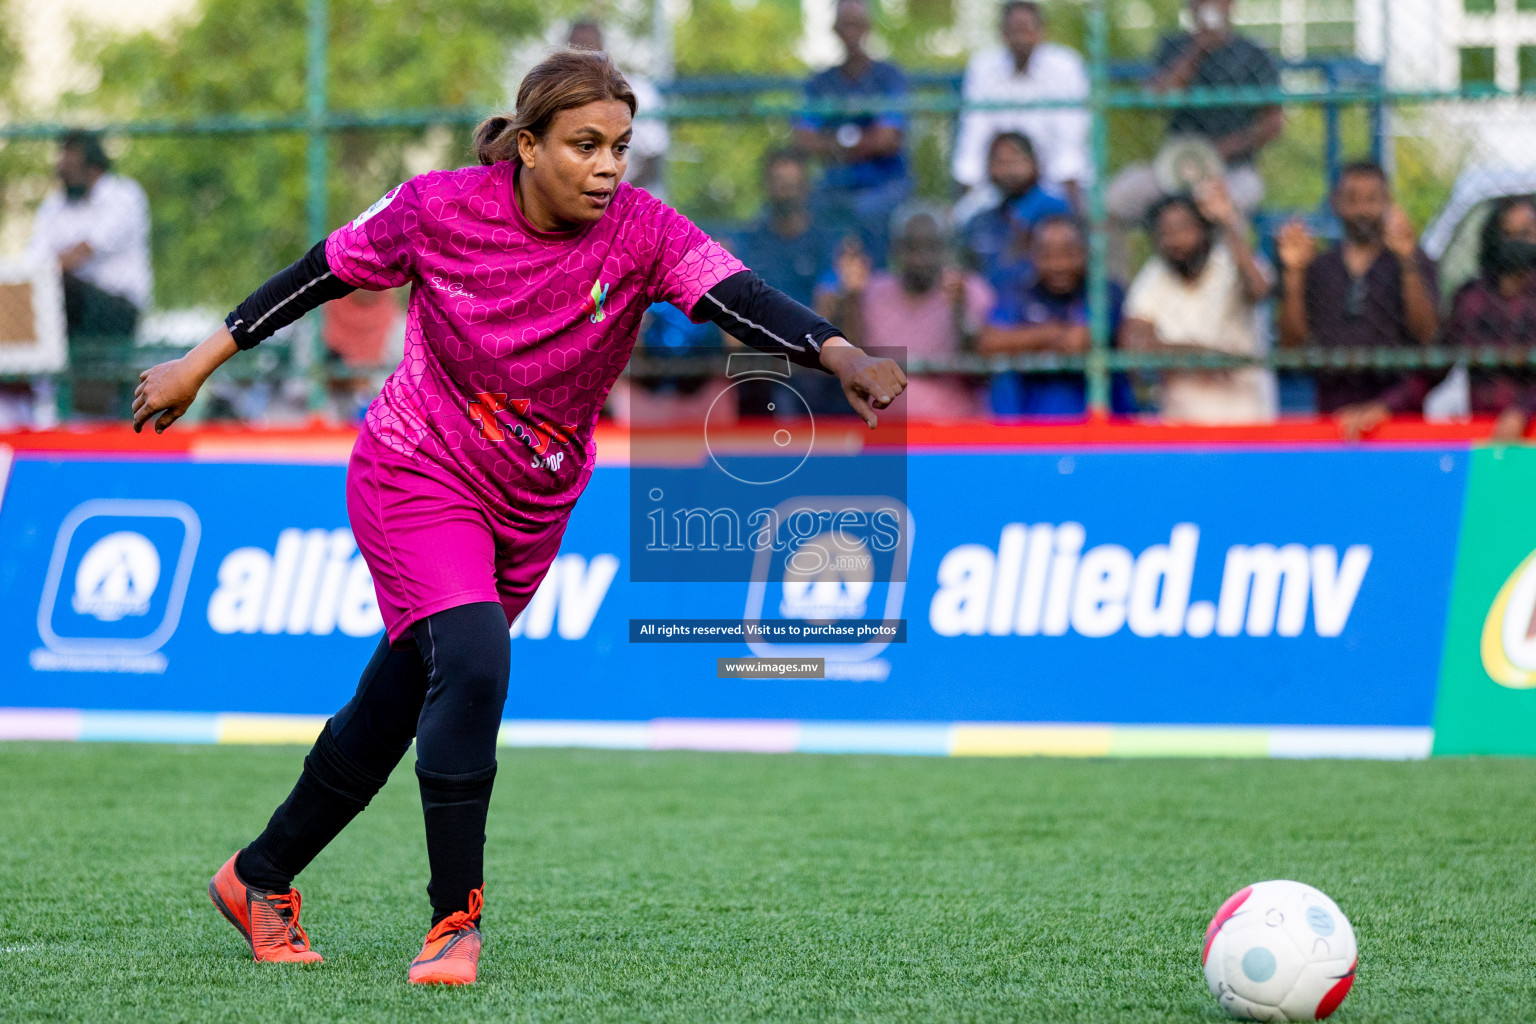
[{"x": 565, "y": 79}]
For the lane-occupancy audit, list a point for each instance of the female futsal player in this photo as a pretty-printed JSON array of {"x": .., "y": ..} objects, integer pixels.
[{"x": 529, "y": 275}]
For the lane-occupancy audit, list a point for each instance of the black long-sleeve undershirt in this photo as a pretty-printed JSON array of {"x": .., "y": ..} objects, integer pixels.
[
  {"x": 286, "y": 296},
  {"x": 743, "y": 305},
  {"x": 748, "y": 308}
]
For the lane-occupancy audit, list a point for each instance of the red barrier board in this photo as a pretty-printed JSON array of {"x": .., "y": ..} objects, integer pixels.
[{"x": 326, "y": 442}]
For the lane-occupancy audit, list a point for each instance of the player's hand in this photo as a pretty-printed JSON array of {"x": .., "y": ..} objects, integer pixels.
[
  {"x": 1215, "y": 203},
  {"x": 1075, "y": 339},
  {"x": 1510, "y": 426},
  {"x": 167, "y": 389},
  {"x": 1398, "y": 234},
  {"x": 952, "y": 281},
  {"x": 869, "y": 382},
  {"x": 1296, "y": 248},
  {"x": 852, "y": 267},
  {"x": 1355, "y": 421}
]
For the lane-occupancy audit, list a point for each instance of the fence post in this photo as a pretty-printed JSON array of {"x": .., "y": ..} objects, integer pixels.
[
  {"x": 317, "y": 160},
  {"x": 1098, "y": 220},
  {"x": 315, "y": 109}
]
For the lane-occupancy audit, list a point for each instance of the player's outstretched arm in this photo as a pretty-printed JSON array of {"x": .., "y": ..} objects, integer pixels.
[
  {"x": 169, "y": 388},
  {"x": 748, "y": 308}
]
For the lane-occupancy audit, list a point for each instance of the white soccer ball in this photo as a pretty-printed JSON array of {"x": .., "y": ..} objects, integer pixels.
[{"x": 1279, "y": 951}]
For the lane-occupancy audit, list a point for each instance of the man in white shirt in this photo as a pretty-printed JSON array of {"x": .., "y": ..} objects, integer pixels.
[
  {"x": 96, "y": 227},
  {"x": 1027, "y": 68},
  {"x": 648, "y": 144},
  {"x": 1198, "y": 295}
]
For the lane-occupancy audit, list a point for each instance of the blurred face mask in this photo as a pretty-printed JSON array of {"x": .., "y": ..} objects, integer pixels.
[
  {"x": 73, "y": 175},
  {"x": 1517, "y": 256},
  {"x": 1189, "y": 266},
  {"x": 1362, "y": 230}
]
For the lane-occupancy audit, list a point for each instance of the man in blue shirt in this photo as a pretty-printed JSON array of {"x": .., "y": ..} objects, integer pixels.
[
  {"x": 997, "y": 240},
  {"x": 785, "y": 245},
  {"x": 866, "y": 175},
  {"x": 1050, "y": 315},
  {"x": 790, "y": 250}
]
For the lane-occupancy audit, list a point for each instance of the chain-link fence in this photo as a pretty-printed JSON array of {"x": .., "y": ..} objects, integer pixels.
[{"x": 1204, "y": 212}]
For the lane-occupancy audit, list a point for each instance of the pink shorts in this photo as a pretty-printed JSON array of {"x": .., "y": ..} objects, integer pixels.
[{"x": 431, "y": 544}]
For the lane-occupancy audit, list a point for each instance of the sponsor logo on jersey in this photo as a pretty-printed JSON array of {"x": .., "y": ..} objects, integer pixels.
[
  {"x": 382, "y": 202},
  {"x": 1508, "y": 643},
  {"x": 540, "y": 437},
  {"x": 594, "y": 304},
  {"x": 452, "y": 287}
]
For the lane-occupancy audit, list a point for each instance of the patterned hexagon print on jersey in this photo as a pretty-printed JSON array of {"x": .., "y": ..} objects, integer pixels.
[{"x": 515, "y": 335}]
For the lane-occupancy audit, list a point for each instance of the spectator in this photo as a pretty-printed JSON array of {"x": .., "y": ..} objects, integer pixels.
[
  {"x": 1375, "y": 289},
  {"x": 1050, "y": 315},
  {"x": 786, "y": 246},
  {"x": 865, "y": 174},
  {"x": 1498, "y": 309},
  {"x": 97, "y": 228},
  {"x": 1212, "y": 57},
  {"x": 928, "y": 307},
  {"x": 364, "y": 335},
  {"x": 1198, "y": 294},
  {"x": 997, "y": 240},
  {"x": 360, "y": 328},
  {"x": 1026, "y": 68},
  {"x": 790, "y": 250},
  {"x": 650, "y": 139}
]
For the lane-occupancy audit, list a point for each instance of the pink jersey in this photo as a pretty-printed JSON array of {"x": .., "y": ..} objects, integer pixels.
[{"x": 514, "y": 336}]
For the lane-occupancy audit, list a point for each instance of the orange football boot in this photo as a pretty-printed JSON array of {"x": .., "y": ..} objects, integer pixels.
[
  {"x": 268, "y": 920},
  {"x": 451, "y": 953}
]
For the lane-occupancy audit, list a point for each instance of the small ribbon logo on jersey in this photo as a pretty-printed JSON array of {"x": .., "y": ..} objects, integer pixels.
[{"x": 594, "y": 304}]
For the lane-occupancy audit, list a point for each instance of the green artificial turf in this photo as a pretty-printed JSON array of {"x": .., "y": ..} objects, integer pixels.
[{"x": 721, "y": 887}]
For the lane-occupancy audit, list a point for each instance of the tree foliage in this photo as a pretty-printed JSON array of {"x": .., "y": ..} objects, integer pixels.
[{"x": 228, "y": 209}]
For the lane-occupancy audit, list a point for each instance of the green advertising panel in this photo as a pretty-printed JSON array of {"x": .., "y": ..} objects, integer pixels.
[{"x": 1487, "y": 702}]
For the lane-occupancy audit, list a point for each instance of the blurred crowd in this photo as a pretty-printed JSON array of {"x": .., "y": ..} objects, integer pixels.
[
  {"x": 999, "y": 270},
  {"x": 1003, "y": 268}
]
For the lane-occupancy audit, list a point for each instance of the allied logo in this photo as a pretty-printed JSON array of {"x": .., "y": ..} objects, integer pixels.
[
  {"x": 117, "y": 577},
  {"x": 856, "y": 570},
  {"x": 115, "y": 587},
  {"x": 1509, "y": 632},
  {"x": 829, "y": 578},
  {"x": 594, "y": 304}
]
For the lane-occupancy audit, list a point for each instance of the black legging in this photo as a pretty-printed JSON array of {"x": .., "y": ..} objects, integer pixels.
[{"x": 447, "y": 693}]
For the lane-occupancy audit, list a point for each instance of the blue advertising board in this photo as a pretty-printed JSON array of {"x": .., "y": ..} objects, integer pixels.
[{"x": 1300, "y": 587}]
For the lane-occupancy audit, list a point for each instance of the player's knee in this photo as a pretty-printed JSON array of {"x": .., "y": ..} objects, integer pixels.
[
  {"x": 477, "y": 676},
  {"x": 470, "y": 654}
]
